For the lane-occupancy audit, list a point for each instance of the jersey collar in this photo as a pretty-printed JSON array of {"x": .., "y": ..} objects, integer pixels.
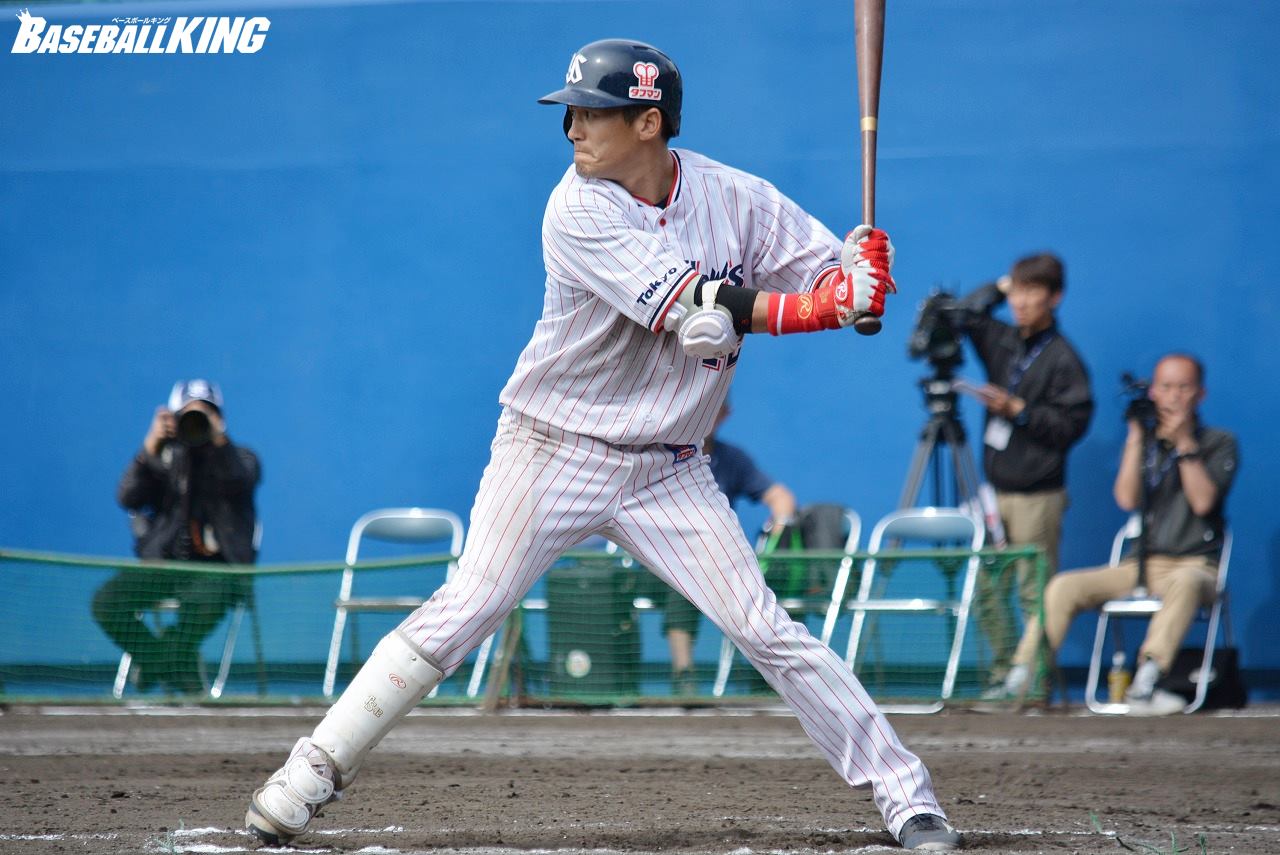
[{"x": 673, "y": 193}]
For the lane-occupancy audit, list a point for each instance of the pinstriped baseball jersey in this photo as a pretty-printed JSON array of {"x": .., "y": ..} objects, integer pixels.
[{"x": 600, "y": 363}]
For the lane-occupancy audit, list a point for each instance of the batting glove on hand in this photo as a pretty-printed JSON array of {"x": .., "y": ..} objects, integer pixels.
[
  {"x": 869, "y": 248},
  {"x": 864, "y": 280}
]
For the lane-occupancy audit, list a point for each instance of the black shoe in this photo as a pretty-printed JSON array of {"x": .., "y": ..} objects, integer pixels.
[{"x": 929, "y": 832}]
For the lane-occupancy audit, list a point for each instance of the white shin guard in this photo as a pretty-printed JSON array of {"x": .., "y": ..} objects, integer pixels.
[{"x": 392, "y": 682}]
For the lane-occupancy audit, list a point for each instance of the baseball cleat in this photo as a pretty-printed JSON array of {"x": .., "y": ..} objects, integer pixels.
[
  {"x": 927, "y": 832},
  {"x": 282, "y": 807}
]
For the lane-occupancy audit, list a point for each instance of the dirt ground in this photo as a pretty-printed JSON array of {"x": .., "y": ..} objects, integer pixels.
[{"x": 168, "y": 780}]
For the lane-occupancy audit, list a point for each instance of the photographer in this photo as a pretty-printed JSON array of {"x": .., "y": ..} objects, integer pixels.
[
  {"x": 1038, "y": 405},
  {"x": 190, "y": 493},
  {"x": 1187, "y": 470}
]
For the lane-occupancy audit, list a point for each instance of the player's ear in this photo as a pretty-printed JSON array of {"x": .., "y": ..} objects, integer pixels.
[{"x": 650, "y": 124}]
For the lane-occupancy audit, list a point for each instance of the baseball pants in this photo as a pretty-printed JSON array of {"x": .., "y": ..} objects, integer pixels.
[{"x": 546, "y": 490}]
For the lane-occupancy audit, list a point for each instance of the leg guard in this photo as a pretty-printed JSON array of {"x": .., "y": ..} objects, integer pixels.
[
  {"x": 391, "y": 683},
  {"x": 394, "y": 680}
]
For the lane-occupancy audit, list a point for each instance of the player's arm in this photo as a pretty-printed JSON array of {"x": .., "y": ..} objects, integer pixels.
[{"x": 710, "y": 315}]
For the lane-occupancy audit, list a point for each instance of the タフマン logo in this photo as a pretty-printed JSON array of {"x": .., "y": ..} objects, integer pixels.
[
  {"x": 150, "y": 34},
  {"x": 646, "y": 75}
]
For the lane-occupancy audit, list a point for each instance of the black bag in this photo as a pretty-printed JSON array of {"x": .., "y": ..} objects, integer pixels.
[{"x": 1226, "y": 688}]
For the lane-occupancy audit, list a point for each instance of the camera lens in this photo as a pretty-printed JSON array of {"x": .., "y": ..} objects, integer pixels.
[{"x": 193, "y": 428}]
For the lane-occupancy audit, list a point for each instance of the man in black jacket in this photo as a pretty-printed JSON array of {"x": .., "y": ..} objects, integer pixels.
[
  {"x": 190, "y": 493},
  {"x": 1038, "y": 405}
]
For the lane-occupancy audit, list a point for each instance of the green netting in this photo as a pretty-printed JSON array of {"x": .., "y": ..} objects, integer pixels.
[{"x": 590, "y": 632}]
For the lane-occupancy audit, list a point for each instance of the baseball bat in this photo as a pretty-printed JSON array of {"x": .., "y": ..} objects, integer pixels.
[{"x": 869, "y": 46}]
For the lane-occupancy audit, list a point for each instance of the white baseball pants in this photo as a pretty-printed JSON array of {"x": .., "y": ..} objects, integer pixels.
[{"x": 545, "y": 491}]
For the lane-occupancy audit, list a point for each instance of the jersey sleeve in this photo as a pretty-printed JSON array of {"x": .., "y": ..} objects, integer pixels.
[
  {"x": 587, "y": 241},
  {"x": 792, "y": 251}
]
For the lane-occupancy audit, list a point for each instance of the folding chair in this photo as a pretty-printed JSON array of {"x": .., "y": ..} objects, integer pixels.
[
  {"x": 1142, "y": 605},
  {"x": 937, "y": 528},
  {"x": 827, "y": 603},
  {"x": 246, "y": 603},
  {"x": 395, "y": 525}
]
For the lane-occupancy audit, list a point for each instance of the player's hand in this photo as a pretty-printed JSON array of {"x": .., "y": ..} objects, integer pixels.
[
  {"x": 870, "y": 249},
  {"x": 865, "y": 281}
]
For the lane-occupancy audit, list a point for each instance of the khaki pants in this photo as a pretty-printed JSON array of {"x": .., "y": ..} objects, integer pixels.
[
  {"x": 1184, "y": 584},
  {"x": 1029, "y": 519}
]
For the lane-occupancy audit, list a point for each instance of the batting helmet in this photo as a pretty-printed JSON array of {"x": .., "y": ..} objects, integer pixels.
[{"x": 621, "y": 73}]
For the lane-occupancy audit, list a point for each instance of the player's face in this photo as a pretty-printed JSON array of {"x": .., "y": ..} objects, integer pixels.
[
  {"x": 1032, "y": 305},
  {"x": 604, "y": 143}
]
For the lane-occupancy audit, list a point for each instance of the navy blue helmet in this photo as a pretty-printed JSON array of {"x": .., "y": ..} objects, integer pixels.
[{"x": 621, "y": 73}]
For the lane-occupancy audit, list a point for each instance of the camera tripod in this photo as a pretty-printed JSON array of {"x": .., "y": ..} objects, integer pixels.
[{"x": 942, "y": 433}]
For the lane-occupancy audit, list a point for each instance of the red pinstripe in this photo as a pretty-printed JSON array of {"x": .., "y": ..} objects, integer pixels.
[
  {"x": 577, "y": 452},
  {"x": 546, "y": 490}
]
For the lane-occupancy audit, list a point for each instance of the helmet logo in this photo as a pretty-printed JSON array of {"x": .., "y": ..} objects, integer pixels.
[
  {"x": 646, "y": 75},
  {"x": 574, "y": 74}
]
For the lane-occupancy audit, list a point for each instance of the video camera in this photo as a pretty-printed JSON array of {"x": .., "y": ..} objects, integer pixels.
[
  {"x": 1140, "y": 407},
  {"x": 936, "y": 336}
]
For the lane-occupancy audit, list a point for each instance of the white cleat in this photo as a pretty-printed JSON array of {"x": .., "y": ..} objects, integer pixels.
[{"x": 282, "y": 807}]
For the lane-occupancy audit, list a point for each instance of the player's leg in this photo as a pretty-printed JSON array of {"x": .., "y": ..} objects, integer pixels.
[
  {"x": 539, "y": 495},
  {"x": 677, "y": 523}
]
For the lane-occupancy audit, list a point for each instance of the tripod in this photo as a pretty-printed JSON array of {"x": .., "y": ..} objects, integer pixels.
[{"x": 943, "y": 432}]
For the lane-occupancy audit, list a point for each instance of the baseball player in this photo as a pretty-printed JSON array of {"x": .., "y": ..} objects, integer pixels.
[{"x": 659, "y": 262}]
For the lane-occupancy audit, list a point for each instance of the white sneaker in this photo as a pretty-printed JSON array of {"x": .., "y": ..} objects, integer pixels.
[
  {"x": 281, "y": 808},
  {"x": 1144, "y": 682},
  {"x": 1016, "y": 680},
  {"x": 1011, "y": 689},
  {"x": 1160, "y": 703}
]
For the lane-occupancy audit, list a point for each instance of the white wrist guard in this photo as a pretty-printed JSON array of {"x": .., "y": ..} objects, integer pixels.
[{"x": 705, "y": 329}]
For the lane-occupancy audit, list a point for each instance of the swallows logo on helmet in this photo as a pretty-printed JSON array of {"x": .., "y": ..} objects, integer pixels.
[{"x": 574, "y": 74}]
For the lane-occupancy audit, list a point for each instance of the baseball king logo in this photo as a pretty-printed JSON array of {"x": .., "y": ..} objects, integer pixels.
[
  {"x": 142, "y": 35},
  {"x": 646, "y": 75}
]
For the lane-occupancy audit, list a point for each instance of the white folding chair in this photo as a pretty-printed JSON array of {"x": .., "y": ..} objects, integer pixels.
[
  {"x": 830, "y": 604},
  {"x": 395, "y": 525},
  {"x": 246, "y": 603},
  {"x": 1142, "y": 605},
  {"x": 920, "y": 528}
]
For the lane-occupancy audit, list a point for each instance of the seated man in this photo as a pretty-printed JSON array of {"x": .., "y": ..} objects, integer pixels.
[
  {"x": 190, "y": 491},
  {"x": 1186, "y": 469}
]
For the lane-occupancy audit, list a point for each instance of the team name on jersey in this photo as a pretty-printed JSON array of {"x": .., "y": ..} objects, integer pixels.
[
  {"x": 729, "y": 271},
  {"x": 654, "y": 287}
]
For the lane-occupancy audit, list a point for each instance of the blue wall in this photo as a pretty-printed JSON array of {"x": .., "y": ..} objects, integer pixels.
[{"x": 343, "y": 230}]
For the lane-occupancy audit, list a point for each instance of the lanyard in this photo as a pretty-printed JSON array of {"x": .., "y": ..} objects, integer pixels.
[
  {"x": 1020, "y": 367},
  {"x": 1156, "y": 474}
]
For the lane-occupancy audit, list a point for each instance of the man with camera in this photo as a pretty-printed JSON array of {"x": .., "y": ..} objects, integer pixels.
[
  {"x": 1038, "y": 405},
  {"x": 190, "y": 495},
  {"x": 1180, "y": 471}
]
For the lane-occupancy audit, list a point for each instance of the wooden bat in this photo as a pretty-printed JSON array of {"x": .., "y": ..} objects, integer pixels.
[{"x": 869, "y": 44}]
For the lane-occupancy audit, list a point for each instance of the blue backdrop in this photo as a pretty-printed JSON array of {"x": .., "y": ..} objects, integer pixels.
[{"x": 343, "y": 230}]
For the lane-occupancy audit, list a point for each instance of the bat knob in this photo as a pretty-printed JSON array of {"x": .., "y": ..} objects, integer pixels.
[{"x": 867, "y": 324}]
